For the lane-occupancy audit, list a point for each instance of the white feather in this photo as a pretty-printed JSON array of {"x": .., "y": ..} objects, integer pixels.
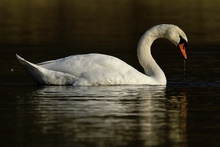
[{"x": 99, "y": 69}]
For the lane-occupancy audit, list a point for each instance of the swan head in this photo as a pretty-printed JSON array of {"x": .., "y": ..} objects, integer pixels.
[{"x": 178, "y": 37}]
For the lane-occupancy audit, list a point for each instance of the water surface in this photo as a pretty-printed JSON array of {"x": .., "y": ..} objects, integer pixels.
[
  {"x": 100, "y": 116},
  {"x": 183, "y": 113}
]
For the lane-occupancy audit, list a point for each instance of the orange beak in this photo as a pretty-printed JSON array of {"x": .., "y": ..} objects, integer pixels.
[{"x": 182, "y": 50}]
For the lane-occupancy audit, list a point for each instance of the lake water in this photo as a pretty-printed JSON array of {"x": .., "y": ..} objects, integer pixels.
[{"x": 183, "y": 113}]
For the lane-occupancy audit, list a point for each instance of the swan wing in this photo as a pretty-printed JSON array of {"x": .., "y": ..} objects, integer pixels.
[
  {"x": 45, "y": 76},
  {"x": 88, "y": 63},
  {"x": 96, "y": 69}
]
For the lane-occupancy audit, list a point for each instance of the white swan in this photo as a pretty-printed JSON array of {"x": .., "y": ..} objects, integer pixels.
[{"x": 99, "y": 69}]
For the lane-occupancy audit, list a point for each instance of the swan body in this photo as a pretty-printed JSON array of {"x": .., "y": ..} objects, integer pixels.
[{"x": 99, "y": 69}]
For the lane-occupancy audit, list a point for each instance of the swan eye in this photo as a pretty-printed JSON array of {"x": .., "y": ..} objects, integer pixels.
[{"x": 183, "y": 41}]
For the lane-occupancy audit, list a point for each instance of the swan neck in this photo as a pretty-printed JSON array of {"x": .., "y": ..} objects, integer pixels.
[{"x": 145, "y": 58}]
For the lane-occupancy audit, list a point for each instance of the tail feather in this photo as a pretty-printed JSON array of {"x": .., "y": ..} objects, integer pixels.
[{"x": 45, "y": 76}]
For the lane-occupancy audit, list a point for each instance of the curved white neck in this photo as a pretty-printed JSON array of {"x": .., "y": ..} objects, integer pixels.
[{"x": 145, "y": 58}]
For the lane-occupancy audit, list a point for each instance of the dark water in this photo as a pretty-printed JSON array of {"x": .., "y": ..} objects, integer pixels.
[{"x": 183, "y": 113}]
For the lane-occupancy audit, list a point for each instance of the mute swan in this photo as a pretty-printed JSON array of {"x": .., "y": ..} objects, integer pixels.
[{"x": 99, "y": 69}]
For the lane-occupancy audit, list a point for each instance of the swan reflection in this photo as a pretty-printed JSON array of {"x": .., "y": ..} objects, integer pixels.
[{"x": 114, "y": 115}]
